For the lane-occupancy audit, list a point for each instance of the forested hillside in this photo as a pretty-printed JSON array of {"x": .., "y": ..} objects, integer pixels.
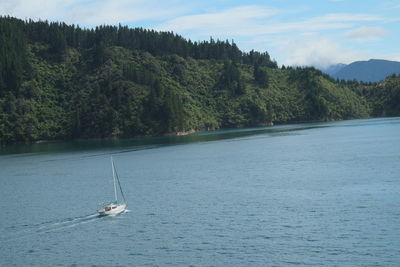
[{"x": 59, "y": 81}]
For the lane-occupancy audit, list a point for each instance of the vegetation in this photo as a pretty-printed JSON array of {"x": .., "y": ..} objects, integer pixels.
[
  {"x": 59, "y": 81},
  {"x": 384, "y": 97}
]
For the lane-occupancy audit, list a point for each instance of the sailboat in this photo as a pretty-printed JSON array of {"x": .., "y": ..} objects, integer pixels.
[{"x": 115, "y": 207}]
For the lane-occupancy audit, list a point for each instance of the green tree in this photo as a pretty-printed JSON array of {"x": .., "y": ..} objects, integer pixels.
[{"x": 260, "y": 75}]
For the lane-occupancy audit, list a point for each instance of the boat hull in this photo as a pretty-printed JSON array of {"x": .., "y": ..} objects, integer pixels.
[{"x": 113, "y": 210}]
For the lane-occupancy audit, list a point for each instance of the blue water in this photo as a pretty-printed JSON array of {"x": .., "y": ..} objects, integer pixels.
[{"x": 304, "y": 194}]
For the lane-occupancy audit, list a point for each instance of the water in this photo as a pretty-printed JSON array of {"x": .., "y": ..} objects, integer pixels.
[{"x": 305, "y": 194}]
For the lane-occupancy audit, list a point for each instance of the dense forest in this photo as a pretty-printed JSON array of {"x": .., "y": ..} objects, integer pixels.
[{"x": 60, "y": 81}]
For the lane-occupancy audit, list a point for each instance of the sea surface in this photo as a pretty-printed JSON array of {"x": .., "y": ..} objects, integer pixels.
[{"x": 301, "y": 194}]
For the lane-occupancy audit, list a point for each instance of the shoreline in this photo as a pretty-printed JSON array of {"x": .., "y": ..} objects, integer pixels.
[{"x": 183, "y": 133}]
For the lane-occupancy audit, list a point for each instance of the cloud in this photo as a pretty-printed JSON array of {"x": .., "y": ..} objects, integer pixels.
[
  {"x": 317, "y": 51},
  {"x": 229, "y": 22},
  {"x": 92, "y": 12},
  {"x": 348, "y": 17},
  {"x": 123, "y": 11},
  {"x": 251, "y": 21},
  {"x": 366, "y": 33},
  {"x": 322, "y": 23},
  {"x": 45, "y": 9}
]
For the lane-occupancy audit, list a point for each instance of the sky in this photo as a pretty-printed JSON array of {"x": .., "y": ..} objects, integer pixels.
[{"x": 294, "y": 32}]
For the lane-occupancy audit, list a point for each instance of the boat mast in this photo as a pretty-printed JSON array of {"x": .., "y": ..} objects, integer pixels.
[
  {"x": 113, "y": 172},
  {"x": 119, "y": 184}
]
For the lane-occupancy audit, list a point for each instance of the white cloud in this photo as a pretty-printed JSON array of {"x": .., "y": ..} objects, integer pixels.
[
  {"x": 92, "y": 13},
  {"x": 253, "y": 21},
  {"x": 229, "y": 22},
  {"x": 348, "y": 17},
  {"x": 366, "y": 33},
  {"x": 317, "y": 51},
  {"x": 123, "y": 11},
  {"x": 45, "y": 9}
]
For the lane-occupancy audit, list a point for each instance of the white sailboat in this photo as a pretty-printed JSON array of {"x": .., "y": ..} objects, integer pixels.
[{"x": 114, "y": 208}]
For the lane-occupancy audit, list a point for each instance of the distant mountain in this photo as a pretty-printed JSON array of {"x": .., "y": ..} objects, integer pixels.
[
  {"x": 332, "y": 69},
  {"x": 373, "y": 70}
]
